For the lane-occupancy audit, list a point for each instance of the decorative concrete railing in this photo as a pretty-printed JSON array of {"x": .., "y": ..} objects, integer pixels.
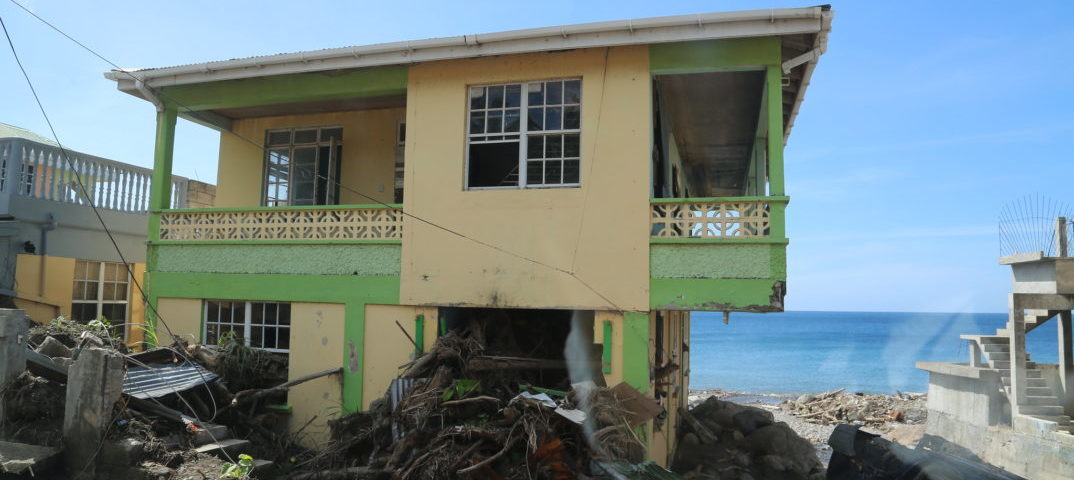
[
  {"x": 30, "y": 169},
  {"x": 327, "y": 223},
  {"x": 714, "y": 218}
]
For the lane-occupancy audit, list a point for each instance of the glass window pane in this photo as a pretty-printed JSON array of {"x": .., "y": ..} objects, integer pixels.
[
  {"x": 535, "y": 172},
  {"x": 536, "y": 119},
  {"x": 91, "y": 291},
  {"x": 334, "y": 133},
  {"x": 570, "y": 171},
  {"x": 510, "y": 120},
  {"x": 477, "y": 123},
  {"x": 306, "y": 136},
  {"x": 553, "y": 146},
  {"x": 572, "y": 91},
  {"x": 495, "y": 96},
  {"x": 283, "y": 338},
  {"x": 536, "y": 94},
  {"x": 535, "y": 147},
  {"x": 115, "y": 312},
  {"x": 280, "y": 156},
  {"x": 552, "y": 172},
  {"x": 555, "y": 93},
  {"x": 572, "y": 146},
  {"x": 513, "y": 97},
  {"x": 495, "y": 121},
  {"x": 285, "y": 314},
  {"x": 257, "y": 312},
  {"x": 271, "y": 310},
  {"x": 109, "y": 291},
  {"x": 553, "y": 117},
  {"x": 282, "y": 137},
  {"x": 572, "y": 117},
  {"x": 210, "y": 334},
  {"x": 477, "y": 97},
  {"x": 212, "y": 312},
  {"x": 257, "y": 338},
  {"x": 83, "y": 312}
]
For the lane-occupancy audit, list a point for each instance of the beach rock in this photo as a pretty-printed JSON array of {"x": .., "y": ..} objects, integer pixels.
[
  {"x": 806, "y": 398},
  {"x": 750, "y": 419}
]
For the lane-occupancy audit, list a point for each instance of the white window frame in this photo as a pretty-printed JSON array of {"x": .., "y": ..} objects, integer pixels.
[
  {"x": 100, "y": 302},
  {"x": 330, "y": 195},
  {"x": 248, "y": 323},
  {"x": 524, "y": 133}
]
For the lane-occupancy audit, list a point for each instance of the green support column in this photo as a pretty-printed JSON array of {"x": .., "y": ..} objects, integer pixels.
[
  {"x": 636, "y": 350},
  {"x": 160, "y": 195},
  {"x": 774, "y": 88}
]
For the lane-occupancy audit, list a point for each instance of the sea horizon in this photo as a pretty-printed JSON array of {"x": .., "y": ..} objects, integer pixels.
[{"x": 812, "y": 351}]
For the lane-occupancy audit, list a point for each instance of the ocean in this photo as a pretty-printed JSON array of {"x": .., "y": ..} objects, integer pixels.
[{"x": 807, "y": 352}]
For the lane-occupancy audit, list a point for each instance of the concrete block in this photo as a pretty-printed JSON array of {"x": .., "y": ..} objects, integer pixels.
[
  {"x": 122, "y": 453},
  {"x": 94, "y": 385},
  {"x": 13, "y": 330},
  {"x": 54, "y": 348}
]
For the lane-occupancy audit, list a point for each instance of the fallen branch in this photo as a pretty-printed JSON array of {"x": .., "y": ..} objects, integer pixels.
[
  {"x": 251, "y": 395},
  {"x": 467, "y": 401},
  {"x": 487, "y": 363},
  {"x": 489, "y": 460}
]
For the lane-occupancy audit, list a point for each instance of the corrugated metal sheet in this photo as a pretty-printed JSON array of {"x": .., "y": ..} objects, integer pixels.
[
  {"x": 396, "y": 391},
  {"x": 154, "y": 381}
]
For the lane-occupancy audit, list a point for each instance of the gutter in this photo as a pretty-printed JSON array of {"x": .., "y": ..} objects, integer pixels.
[{"x": 749, "y": 23}]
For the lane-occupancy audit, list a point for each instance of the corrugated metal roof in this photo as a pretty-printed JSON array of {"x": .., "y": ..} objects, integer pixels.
[{"x": 154, "y": 381}]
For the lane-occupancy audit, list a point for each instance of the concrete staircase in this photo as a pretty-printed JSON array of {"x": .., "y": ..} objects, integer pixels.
[
  {"x": 216, "y": 440},
  {"x": 1042, "y": 402}
]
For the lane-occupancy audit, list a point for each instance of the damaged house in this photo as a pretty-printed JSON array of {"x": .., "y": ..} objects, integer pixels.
[{"x": 371, "y": 199}]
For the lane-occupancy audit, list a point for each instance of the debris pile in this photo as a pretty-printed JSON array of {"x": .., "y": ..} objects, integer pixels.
[
  {"x": 877, "y": 411},
  {"x": 726, "y": 441},
  {"x": 458, "y": 411}
]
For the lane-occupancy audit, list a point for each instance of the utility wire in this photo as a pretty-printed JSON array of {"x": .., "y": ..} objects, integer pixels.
[
  {"x": 262, "y": 147},
  {"x": 104, "y": 225}
]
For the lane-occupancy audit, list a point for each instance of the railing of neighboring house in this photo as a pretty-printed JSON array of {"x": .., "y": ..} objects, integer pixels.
[
  {"x": 717, "y": 218},
  {"x": 288, "y": 224},
  {"x": 30, "y": 169}
]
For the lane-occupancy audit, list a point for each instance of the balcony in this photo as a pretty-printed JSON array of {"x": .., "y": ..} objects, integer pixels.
[
  {"x": 718, "y": 254},
  {"x": 319, "y": 224}
]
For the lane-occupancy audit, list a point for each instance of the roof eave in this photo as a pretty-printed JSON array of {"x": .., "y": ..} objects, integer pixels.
[
  {"x": 820, "y": 44},
  {"x": 751, "y": 23}
]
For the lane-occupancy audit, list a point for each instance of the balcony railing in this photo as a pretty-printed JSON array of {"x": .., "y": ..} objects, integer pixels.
[
  {"x": 715, "y": 218},
  {"x": 33, "y": 170},
  {"x": 321, "y": 223}
]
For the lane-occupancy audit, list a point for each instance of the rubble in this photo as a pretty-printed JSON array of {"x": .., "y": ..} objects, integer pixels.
[
  {"x": 872, "y": 410},
  {"x": 457, "y": 412},
  {"x": 722, "y": 440}
]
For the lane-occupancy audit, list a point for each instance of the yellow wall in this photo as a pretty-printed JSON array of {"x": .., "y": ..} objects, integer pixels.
[
  {"x": 44, "y": 286},
  {"x": 182, "y": 317},
  {"x": 136, "y": 308},
  {"x": 605, "y": 218},
  {"x": 386, "y": 348},
  {"x": 316, "y": 345},
  {"x": 676, "y": 333},
  {"x": 369, "y": 141}
]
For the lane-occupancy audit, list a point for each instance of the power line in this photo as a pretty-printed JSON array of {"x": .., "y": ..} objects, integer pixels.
[
  {"x": 104, "y": 225},
  {"x": 402, "y": 211}
]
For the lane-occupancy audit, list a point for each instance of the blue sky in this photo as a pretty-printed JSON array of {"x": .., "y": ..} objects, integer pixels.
[{"x": 922, "y": 121}]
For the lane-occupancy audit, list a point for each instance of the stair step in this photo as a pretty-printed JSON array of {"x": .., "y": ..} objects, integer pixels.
[
  {"x": 1039, "y": 391},
  {"x": 994, "y": 356},
  {"x": 1005, "y": 376},
  {"x": 1006, "y": 365},
  {"x": 223, "y": 448},
  {"x": 986, "y": 339},
  {"x": 1041, "y": 410},
  {"x": 1043, "y": 400},
  {"x": 1003, "y": 332},
  {"x": 996, "y": 347},
  {"x": 209, "y": 433},
  {"x": 1060, "y": 420}
]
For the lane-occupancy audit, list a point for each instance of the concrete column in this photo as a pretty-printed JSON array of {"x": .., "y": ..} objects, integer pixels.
[
  {"x": 12, "y": 348},
  {"x": 1017, "y": 326},
  {"x": 1066, "y": 353},
  {"x": 1061, "y": 237},
  {"x": 975, "y": 355},
  {"x": 94, "y": 384}
]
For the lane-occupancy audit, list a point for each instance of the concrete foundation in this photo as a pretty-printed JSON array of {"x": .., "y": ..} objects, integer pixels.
[{"x": 970, "y": 416}]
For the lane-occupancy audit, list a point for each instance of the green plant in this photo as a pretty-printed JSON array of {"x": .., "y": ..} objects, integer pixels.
[
  {"x": 99, "y": 326},
  {"x": 238, "y": 470},
  {"x": 59, "y": 322}
]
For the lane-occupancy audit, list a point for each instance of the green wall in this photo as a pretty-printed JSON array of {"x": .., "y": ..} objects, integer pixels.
[{"x": 361, "y": 259}]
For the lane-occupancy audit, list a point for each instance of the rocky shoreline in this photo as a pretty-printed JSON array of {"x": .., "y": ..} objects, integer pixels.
[{"x": 899, "y": 418}]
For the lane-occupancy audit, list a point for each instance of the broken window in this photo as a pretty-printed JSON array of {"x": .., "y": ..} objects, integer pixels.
[
  {"x": 302, "y": 166},
  {"x": 264, "y": 325},
  {"x": 100, "y": 290},
  {"x": 524, "y": 135}
]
